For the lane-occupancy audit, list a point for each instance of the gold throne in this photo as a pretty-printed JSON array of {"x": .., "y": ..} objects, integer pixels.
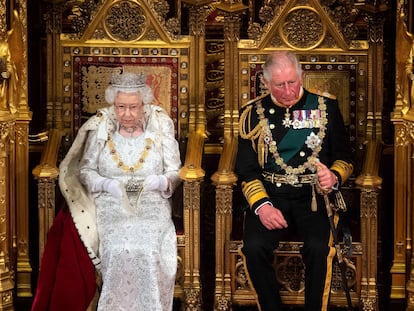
[
  {"x": 334, "y": 62},
  {"x": 114, "y": 36}
]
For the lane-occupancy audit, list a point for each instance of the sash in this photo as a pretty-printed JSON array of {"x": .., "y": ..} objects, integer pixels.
[{"x": 293, "y": 141}]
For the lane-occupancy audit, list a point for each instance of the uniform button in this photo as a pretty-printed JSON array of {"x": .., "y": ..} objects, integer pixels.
[
  {"x": 272, "y": 111},
  {"x": 302, "y": 153},
  {"x": 278, "y": 185},
  {"x": 272, "y": 126}
]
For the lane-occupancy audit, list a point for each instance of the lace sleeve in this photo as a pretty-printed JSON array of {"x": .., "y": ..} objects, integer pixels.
[{"x": 88, "y": 166}]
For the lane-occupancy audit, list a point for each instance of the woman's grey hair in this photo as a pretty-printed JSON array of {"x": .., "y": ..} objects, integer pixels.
[
  {"x": 128, "y": 82},
  {"x": 279, "y": 60}
]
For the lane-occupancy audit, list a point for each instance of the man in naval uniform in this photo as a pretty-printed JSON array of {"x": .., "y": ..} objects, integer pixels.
[{"x": 293, "y": 147}]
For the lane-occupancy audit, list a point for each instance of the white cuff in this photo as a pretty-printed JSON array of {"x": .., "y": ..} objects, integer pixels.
[{"x": 261, "y": 205}]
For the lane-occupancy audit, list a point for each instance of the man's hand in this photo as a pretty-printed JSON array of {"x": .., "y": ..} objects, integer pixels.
[
  {"x": 272, "y": 218},
  {"x": 327, "y": 179}
]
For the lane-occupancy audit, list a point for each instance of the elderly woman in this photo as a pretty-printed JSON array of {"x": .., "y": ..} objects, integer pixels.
[{"x": 117, "y": 179}]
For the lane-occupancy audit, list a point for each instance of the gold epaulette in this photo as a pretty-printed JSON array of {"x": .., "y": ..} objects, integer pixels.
[
  {"x": 343, "y": 168},
  {"x": 321, "y": 93},
  {"x": 252, "y": 101},
  {"x": 253, "y": 191}
]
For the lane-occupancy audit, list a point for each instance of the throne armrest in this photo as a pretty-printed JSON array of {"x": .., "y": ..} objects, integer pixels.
[
  {"x": 46, "y": 174},
  {"x": 369, "y": 177}
]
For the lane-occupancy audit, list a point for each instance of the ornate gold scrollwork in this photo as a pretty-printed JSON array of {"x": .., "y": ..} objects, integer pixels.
[{"x": 125, "y": 21}]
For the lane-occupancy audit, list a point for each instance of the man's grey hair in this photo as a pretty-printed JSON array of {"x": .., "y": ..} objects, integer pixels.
[{"x": 280, "y": 59}]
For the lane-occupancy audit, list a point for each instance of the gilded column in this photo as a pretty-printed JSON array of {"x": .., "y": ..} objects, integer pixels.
[
  {"x": 408, "y": 118},
  {"x": 224, "y": 178},
  {"x": 197, "y": 119},
  {"x": 6, "y": 280},
  {"x": 46, "y": 174},
  {"x": 409, "y": 124},
  {"x": 192, "y": 175},
  {"x": 54, "y": 107},
  {"x": 20, "y": 215},
  {"x": 369, "y": 183},
  {"x": 24, "y": 269},
  {"x": 402, "y": 154},
  {"x": 8, "y": 108}
]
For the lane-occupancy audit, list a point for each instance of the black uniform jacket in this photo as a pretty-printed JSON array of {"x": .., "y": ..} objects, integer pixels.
[{"x": 335, "y": 150}]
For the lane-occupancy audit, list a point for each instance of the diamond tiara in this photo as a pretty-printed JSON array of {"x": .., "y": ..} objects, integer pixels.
[{"x": 128, "y": 80}]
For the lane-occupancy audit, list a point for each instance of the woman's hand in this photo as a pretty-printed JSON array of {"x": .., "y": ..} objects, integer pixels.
[
  {"x": 112, "y": 186},
  {"x": 156, "y": 182}
]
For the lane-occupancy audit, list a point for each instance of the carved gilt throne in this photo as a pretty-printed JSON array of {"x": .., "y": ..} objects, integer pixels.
[
  {"x": 338, "y": 57},
  {"x": 112, "y": 36}
]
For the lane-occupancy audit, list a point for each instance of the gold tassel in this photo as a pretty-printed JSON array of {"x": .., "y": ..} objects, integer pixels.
[{"x": 314, "y": 205}]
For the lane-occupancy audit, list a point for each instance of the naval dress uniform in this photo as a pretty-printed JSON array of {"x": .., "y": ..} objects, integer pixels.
[{"x": 275, "y": 163}]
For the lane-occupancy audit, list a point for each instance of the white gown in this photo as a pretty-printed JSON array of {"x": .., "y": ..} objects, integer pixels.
[{"x": 137, "y": 246}]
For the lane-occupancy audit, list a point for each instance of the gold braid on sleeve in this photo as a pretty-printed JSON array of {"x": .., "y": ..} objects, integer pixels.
[
  {"x": 344, "y": 169},
  {"x": 253, "y": 191}
]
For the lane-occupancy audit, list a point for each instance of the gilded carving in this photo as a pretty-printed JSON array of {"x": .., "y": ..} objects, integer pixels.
[
  {"x": 410, "y": 300},
  {"x": 369, "y": 203},
  {"x": 3, "y": 20},
  {"x": 242, "y": 281},
  {"x": 152, "y": 35},
  {"x": 289, "y": 269},
  {"x": 193, "y": 299},
  {"x": 303, "y": 28},
  {"x": 231, "y": 27},
  {"x": 223, "y": 303},
  {"x": 173, "y": 25},
  {"x": 277, "y": 41},
  {"x": 99, "y": 34},
  {"x": 409, "y": 130},
  {"x": 369, "y": 303},
  {"x": 13, "y": 85},
  {"x": 6, "y": 297},
  {"x": 7, "y": 130},
  {"x": 81, "y": 13},
  {"x": 343, "y": 16},
  {"x": 191, "y": 195},
  {"x": 179, "y": 278},
  {"x": 266, "y": 13},
  {"x": 224, "y": 199},
  {"x": 290, "y": 273},
  {"x": 196, "y": 21},
  {"x": 161, "y": 7},
  {"x": 125, "y": 21},
  {"x": 53, "y": 19},
  {"x": 375, "y": 31},
  {"x": 401, "y": 136},
  {"x": 21, "y": 135},
  {"x": 255, "y": 32}
]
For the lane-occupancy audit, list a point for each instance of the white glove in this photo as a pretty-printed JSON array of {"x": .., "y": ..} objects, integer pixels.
[
  {"x": 156, "y": 182},
  {"x": 5, "y": 75},
  {"x": 111, "y": 186}
]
